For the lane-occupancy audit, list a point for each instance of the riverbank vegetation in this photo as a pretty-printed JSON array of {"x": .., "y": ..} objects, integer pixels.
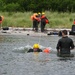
[
  {"x": 22, "y": 19},
  {"x": 60, "y": 13},
  {"x": 35, "y": 6}
]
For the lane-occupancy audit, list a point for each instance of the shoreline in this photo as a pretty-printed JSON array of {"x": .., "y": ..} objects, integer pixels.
[{"x": 28, "y": 31}]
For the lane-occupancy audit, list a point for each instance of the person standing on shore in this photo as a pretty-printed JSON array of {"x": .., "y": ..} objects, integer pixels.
[
  {"x": 64, "y": 45},
  {"x": 1, "y": 19},
  {"x": 35, "y": 20},
  {"x": 0, "y": 22},
  {"x": 44, "y": 21},
  {"x": 74, "y": 22}
]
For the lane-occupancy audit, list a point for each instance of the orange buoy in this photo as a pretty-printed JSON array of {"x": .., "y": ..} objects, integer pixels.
[{"x": 47, "y": 50}]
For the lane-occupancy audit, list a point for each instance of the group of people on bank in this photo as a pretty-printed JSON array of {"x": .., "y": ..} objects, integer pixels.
[
  {"x": 39, "y": 19},
  {"x": 64, "y": 46}
]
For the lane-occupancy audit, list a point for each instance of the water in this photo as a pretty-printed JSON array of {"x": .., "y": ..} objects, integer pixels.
[{"x": 14, "y": 59}]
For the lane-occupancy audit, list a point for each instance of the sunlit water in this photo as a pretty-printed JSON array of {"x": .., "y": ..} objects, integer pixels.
[{"x": 14, "y": 59}]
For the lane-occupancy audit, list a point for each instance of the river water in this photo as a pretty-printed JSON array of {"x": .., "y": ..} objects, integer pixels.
[{"x": 14, "y": 59}]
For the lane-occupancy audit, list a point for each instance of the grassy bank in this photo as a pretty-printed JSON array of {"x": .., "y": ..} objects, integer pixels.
[{"x": 19, "y": 19}]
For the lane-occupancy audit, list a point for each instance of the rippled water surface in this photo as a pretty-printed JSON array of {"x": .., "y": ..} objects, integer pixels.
[{"x": 14, "y": 59}]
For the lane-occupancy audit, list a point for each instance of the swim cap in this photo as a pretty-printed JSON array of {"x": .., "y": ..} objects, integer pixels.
[{"x": 36, "y": 46}]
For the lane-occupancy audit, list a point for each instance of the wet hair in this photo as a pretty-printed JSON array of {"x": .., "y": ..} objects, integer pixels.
[{"x": 65, "y": 32}]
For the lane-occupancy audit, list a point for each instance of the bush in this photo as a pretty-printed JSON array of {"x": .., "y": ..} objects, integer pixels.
[
  {"x": 12, "y": 7},
  {"x": 1, "y": 5}
]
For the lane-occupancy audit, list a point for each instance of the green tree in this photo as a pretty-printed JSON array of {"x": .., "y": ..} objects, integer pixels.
[
  {"x": 1, "y": 5},
  {"x": 12, "y": 7},
  {"x": 38, "y": 5}
]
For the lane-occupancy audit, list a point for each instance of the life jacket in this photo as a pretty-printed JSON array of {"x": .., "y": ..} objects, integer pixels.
[
  {"x": 0, "y": 19},
  {"x": 47, "y": 21},
  {"x": 35, "y": 17},
  {"x": 44, "y": 17},
  {"x": 74, "y": 22},
  {"x": 32, "y": 18}
]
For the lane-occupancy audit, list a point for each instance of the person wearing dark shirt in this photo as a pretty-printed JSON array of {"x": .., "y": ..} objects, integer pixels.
[
  {"x": 64, "y": 45},
  {"x": 36, "y": 48}
]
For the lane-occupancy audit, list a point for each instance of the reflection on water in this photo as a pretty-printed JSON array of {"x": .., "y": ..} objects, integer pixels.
[{"x": 14, "y": 59}]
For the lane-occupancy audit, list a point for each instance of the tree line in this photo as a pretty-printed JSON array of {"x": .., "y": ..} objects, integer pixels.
[{"x": 37, "y": 5}]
